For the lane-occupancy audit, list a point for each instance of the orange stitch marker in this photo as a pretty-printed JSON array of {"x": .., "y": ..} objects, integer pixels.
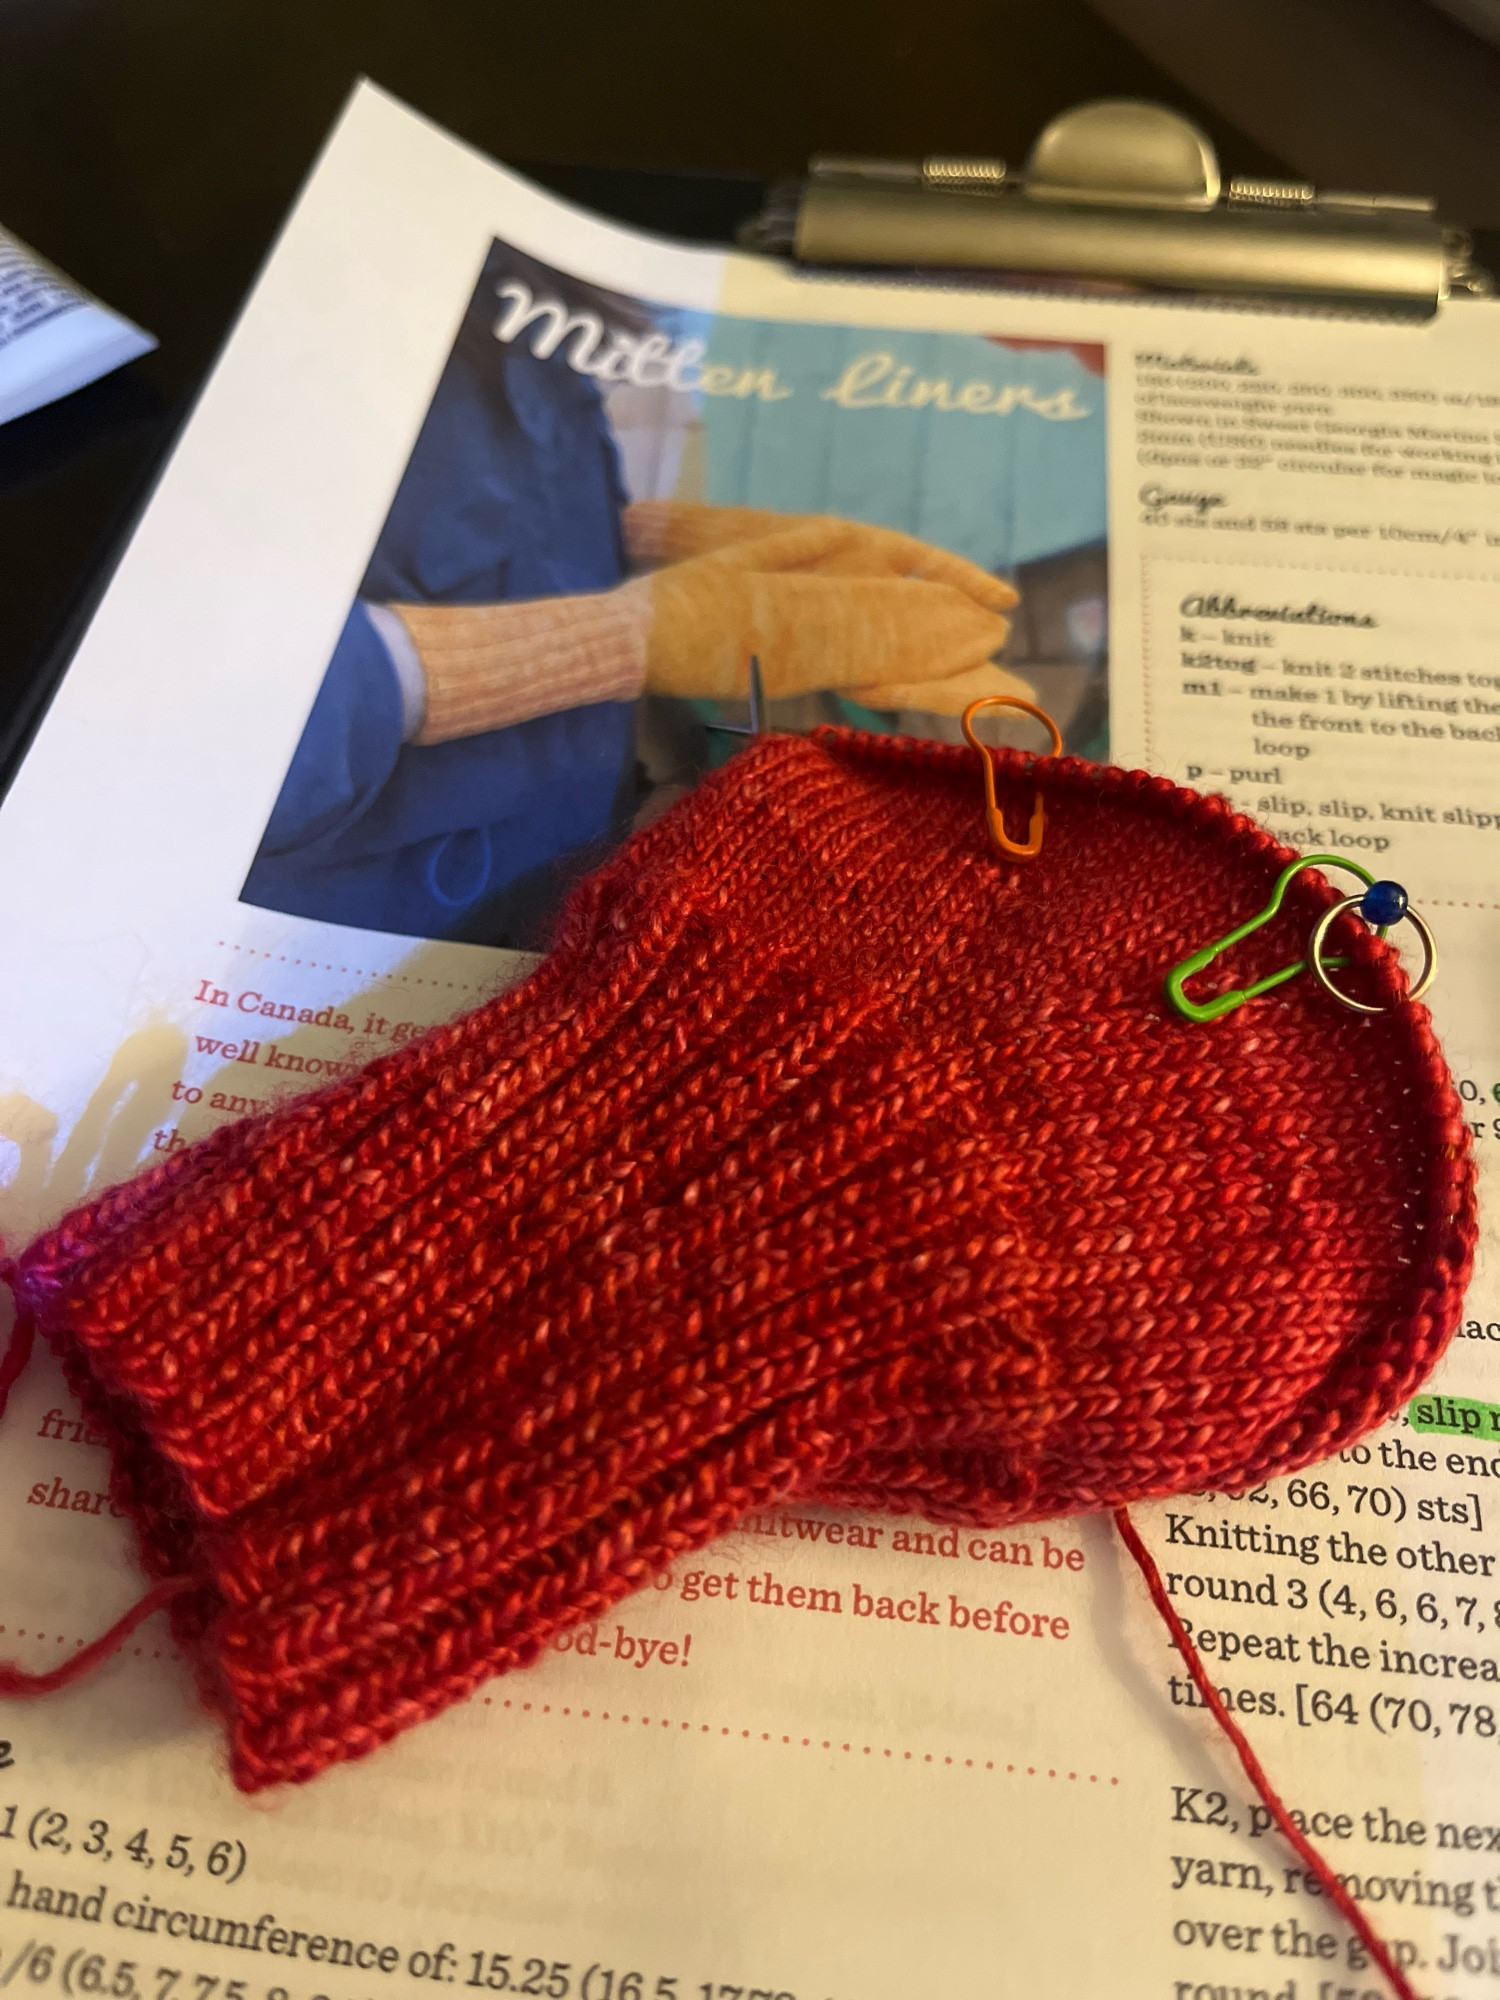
[{"x": 993, "y": 816}]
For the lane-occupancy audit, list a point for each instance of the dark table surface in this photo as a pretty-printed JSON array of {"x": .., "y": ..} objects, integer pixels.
[{"x": 152, "y": 148}]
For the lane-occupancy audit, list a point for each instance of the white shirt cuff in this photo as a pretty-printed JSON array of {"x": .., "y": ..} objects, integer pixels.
[{"x": 405, "y": 664}]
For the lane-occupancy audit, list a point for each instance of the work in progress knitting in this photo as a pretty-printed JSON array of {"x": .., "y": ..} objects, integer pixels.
[{"x": 830, "y": 1154}]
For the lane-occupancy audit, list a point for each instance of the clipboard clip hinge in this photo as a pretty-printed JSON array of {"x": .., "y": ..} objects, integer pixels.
[{"x": 1122, "y": 194}]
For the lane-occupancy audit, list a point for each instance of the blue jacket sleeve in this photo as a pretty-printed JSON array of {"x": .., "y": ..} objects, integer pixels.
[
  {"x": 348, "y": 749},
  {"x": 513, "y": 491},
  {"x": 426, "y": 840}
]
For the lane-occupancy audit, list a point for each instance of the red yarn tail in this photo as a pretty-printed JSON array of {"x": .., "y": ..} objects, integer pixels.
[
  {"x": 16, "y": 1684},
  {"x": 1332, "y": 1887}
]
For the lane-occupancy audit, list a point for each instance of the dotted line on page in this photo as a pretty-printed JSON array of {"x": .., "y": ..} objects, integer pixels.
[
  {"x": 766, "y": 1736},
  {"x": 896, "y": 1754},
  {"x": 61, "y": 1638},
  {"x": 359, "y": 971}
]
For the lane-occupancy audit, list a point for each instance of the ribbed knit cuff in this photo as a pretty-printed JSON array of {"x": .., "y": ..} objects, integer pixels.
[{"x": 488, "y": 666}]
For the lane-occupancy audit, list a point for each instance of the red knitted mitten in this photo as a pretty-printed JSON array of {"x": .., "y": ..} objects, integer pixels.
[{"x": 827, "y": 1154}]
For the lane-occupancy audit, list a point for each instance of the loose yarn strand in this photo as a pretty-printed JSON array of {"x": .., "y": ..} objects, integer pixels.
[
  {"x": 18, "y": 1685},
  {"x": 1332, "y": 1887},
  {"x": 15, "y": 1683}
]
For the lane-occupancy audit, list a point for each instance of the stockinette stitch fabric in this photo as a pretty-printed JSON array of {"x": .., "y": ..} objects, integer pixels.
[{"x": 827, "y": 1155}]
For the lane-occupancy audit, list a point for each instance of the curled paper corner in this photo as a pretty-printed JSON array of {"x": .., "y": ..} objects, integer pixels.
[{"x": 54, "y": 337}]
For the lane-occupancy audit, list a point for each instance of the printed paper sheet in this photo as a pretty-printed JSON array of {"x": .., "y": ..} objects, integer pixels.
[{"x": 832, "y": 1757}]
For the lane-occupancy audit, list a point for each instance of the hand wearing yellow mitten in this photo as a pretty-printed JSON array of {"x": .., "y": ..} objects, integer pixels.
[{"x": 823, "y": 603}]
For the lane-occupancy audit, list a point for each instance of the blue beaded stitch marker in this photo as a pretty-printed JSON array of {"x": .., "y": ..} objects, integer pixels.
[{"x": 1381, "y": 904}]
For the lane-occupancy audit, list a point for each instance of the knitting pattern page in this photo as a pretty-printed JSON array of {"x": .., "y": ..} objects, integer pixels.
[
  {"x": 416, "y": 632},
  {"x": 1318, "y": 527}
]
